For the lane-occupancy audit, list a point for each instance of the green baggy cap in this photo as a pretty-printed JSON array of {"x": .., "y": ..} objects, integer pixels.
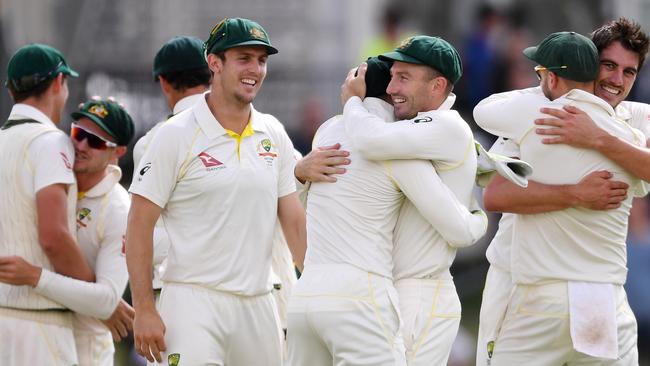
[
  {"x": 568, "y": 54},
  {"x": 235, "y": 32},
  {"x": 34, "y": 63},
  {"x": 377, "y": 76},
  {"x": 430, "y": 51},
  {"x": 110, "y": 116},
  {"x": 179, "y": 54}
]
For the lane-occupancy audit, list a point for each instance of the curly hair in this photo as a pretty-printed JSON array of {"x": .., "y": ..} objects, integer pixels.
[{"x": 625, "y": 31}]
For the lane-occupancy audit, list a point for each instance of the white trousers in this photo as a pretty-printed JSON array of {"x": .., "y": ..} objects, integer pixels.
[
  {"x": 208, "y": 327},
  {"x": 496, "y": 295},
  {"x": 94, "y": 349},
  {"x": 431, "y": 314},
  {"x": 340, "y": 315},
  {"x": 535, "y": 330},
  {"x": 25, "y": 341}
]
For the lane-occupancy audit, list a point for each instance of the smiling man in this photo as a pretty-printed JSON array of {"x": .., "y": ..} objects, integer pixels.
[{"x": 221, "y": 175}]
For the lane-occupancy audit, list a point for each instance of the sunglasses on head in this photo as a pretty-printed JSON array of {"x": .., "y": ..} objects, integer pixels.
[{"x": 79, "y": 134}]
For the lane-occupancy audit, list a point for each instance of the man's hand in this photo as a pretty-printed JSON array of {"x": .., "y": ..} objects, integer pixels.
[
  {"x": 149, "y": 334},
  {"x": 121, "y": 321},
  {"x": 597, "y": 191},
  {"x": 320, "y": 164},
  {"x": 14, "y": 270},
  {"x": 355, "y": 84},
  {"x": 570, "y": 126}
]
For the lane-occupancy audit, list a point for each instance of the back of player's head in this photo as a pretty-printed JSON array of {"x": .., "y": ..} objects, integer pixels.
[
  {"x": 181, "y": 63},
  {"x": 32, "y": 68},
  {"x": 625, "y": 31},
  {"x": 377, "y": 77},
  {"x": 569, "y": 55}
]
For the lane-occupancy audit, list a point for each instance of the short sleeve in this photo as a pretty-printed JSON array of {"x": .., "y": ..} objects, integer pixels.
[{"x": 50, "y": 157}]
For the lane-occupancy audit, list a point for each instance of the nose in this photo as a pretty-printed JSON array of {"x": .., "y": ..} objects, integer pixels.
[
  {"x": 617, "y": 77},
  {"x": 80, "y": 145},
  {"x": 392, "y": 87}
]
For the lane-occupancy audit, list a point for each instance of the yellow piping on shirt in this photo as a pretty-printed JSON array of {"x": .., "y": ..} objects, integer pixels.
[
  {"x": 248, "y": 131},
  {"x": 429, "y": 320},
  {"x": 373, "y": 302},
  {"x": 388, "y": 165}
]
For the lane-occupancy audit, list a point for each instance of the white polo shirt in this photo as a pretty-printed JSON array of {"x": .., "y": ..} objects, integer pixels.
[
  {"x": 352, "y": 221},
  {"x": 219, "y": 193},
  {"x": 421, "y": 250},
  {"x": 574, "y": 244},
  {"x": 101, "y": 228},
  {"x": 498, "y": 252}
]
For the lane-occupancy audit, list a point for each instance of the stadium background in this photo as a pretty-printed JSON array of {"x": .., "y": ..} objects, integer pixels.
[{"x": 112, "y": 44}]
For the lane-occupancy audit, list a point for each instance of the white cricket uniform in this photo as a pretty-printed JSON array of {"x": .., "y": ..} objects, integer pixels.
[
  {"x": 429, "y": 304},
  {"x": 101, "y": 230},
  {"x": 498, "y": 283},
  {"x": 34, "y": 330},
  {"x": 219, "y": 192},
  {"x": 160, "y": 237},
  {"x": 567, "y": 265},
  {"x": 344, "y": 308}
]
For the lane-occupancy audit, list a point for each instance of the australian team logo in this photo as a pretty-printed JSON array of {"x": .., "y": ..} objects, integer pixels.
[
  {"x": 98, "y": 110},
  {"x": 209, "y": 162},
  {"x": 83, "y": 215},
  {"x": 405, "y": 43},
  {"x": 257, "y": 33},
  {"x": 173, "y": 359},
  {"x": 267, "y": 151}
]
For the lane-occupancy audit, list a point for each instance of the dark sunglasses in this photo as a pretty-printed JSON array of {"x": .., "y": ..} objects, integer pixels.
[{"x": 94, "y": 141}]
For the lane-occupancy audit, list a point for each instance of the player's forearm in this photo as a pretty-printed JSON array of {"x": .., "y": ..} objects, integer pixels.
[
  {"x": 63, "y": 253},
  {"x": 632, "y": 158},
  {"x": 292, "y": 220},
  {"x": 93, "y": 299},
  {"x": 504, "y": 196}
]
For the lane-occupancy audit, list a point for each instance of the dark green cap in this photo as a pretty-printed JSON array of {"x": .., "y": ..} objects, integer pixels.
[
  {"x": 34, "y": 63},
  {"x": 430, "y": 51},
  {"x": 179, "y": 54},
  {"x": 568, "y": 54},
  {"x": 234, "y": 32},
  {"x": 110, "y": 116},
  {"x": 377, "y": 76}
]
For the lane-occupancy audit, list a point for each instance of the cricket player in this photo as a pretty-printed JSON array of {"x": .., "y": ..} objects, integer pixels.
[
  {"x": 100, "y": 133},
  {"x": 618, "y": 69},
  {"x": 420, "y": 89},
  {"x": 221, "y": 175},
  {"x": 38, "y": 198},
  {"x": 568, "y": 304},
  {"x": 344, "y": 309},
  {"x": 180, "y": 69}
]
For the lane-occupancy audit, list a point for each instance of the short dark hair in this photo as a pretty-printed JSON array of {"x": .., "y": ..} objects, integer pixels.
[
  {"x": 625, "y": 31},
  {"x": 36, "y": 91},
  {"x": 186, "y": 79}
]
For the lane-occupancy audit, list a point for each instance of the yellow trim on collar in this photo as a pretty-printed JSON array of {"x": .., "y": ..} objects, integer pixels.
[{"x": 248, "y": 131}]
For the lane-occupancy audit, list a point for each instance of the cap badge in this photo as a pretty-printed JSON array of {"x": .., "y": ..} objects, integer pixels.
[
  {"x": 257, "y": 33},
  {"x": 405, "y": 43},
  {"x": 98, "y": 110}
]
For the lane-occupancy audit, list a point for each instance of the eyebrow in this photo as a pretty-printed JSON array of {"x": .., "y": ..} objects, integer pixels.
[{"x": 606, "y": 60}]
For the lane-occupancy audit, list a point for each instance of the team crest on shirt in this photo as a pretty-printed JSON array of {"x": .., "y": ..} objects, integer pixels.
[
  {"x": 83, "y": 216},
  {"x": 267, "y": 151},
  {"x": 209, "y": 162},
  {"x": 174, "y": 359}
]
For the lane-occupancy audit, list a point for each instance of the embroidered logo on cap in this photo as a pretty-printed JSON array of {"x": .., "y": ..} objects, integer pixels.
[{"x": 98, "y": 110}]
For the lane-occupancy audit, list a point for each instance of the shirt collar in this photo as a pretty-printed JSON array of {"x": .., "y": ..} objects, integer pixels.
[
  {"x": 186, "y": 102},
  {"x": 107, "y": 183},
  {"x": 212, "y": 128},
  {"x": 448, "y": 103},
  {"x": 579, "y": 95},
  {"x": 21, "y": 111}
]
